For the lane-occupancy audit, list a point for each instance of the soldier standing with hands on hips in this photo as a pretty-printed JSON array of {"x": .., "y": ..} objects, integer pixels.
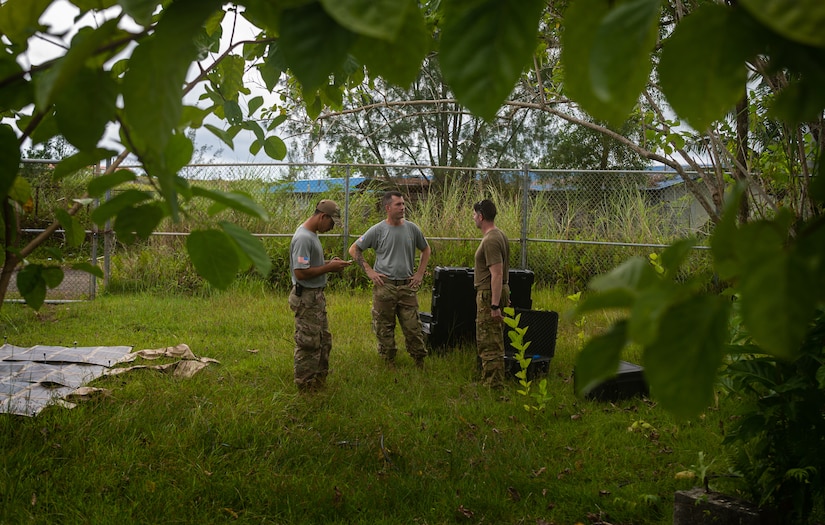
[
  {"x": 395, "y": 279},
  {"x": 313, "y": 340},
  {"x": 490, "y": 278}
]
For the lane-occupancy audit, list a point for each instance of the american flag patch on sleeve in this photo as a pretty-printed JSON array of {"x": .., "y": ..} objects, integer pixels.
[{"x": 303, "y": 260}]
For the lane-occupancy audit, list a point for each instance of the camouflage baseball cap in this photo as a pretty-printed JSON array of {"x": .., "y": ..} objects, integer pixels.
[{"x": 330, "y": 208}]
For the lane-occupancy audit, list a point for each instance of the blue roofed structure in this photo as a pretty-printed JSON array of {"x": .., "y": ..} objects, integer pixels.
[
  {"x": 318, "y": 185},
  {"x": 337, "y": 184}
]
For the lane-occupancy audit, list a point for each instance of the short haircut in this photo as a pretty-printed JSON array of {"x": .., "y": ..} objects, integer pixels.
[
  {"x": 386, "y": 199},
  {"x": 486, "y": 208}
]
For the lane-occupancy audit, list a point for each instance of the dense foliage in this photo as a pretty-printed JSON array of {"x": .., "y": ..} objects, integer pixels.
[
  {"x": 323, "y": 48},
  {"x": 777, "y": 439},
  {"x": 134, "y": 66}
]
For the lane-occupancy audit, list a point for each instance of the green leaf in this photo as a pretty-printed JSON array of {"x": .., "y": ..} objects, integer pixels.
[
  {"x": 15, "y": 91},
  {"x": 648, "y": 310},
  {"x": 264, "y": 14},
  {"x": 113, "y": 206},
  {"x": 632, "y": 275},
  {"x": 138, "y": 221},
  {"x": 676, "y": 254},
  {"x": 582, "y": 21},
  {"x": 254, "y": 104},
  {"x": 375, "y": 18},
  {"x": 229, "y": 73},
  {"x": 214, "y": 256},
  {"x": 485, "y": 45},
  {"x": 79, "y": 161},
  {"x": 276, "y": 121},
  {"x": 85, "y": 106},
  {"x": 75, "y": 234},
  {"x": 85, "y": 47},
  {"x": 140, "y": 10},
  {"x": 9, "y": 158},
  {"x": 777, "y": 299},
  {"x": 19, "y": 19},
  {"x": 398, "y": 61},
  {"x": 255, "y": 128},
  {"x": 99, "y": 185},
  {"x": 606, "y": 300},
  {"x": 153, "y": 85},
  {"x": 275, "y": 147},
  {"x": 193, "y": 116},
  {"x": 21, "y": 191},
  {"x": 314, "y": 108},
  {"x": 235, "y": 200},
  {"x": 45, "y": 130},
  {"x": 178, "y": 152},
  {"x": 314, "y": 45},
  {"x": 799, "y": 20},
  {"x": 620, "y": 59},
  {"x": 723, "y": 239},
  {"x": 53, "y": 276},
  {"x": 801, "y": 100},
  {"x": 255, "y": 147},
  {"x": 227, "y": 137},
  {"x": 710, "y": 47},
  {"x": 233, "y": 112},
  {"x": 251, "y": 246},
  {"x": 681, "y": 365},
  {"x": 599, "y": 359},
  {"x": 606, "y": 54},
  {"x": 32, "y": 285},
  {"x": 820, "y": 377},
  {"x": 89, "y": 268}
]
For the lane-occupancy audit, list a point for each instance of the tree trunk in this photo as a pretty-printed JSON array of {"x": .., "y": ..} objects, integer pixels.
[
  {"x": 11, "y": 259},
  {"x": 742, "y": 153}
]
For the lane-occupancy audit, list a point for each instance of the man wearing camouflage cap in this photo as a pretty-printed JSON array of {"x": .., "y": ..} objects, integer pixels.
[{"x": 313, "y": 340}]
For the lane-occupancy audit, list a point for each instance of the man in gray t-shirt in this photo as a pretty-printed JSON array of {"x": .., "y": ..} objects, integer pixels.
[
  {"x": 395, "y": 279},
  {"x": 313, "y": 340}
]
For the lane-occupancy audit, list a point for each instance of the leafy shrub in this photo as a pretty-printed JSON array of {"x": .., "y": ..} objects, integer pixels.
[{"x": 777, "y": 444}]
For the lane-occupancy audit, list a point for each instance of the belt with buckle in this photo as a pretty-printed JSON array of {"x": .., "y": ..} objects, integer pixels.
[{"x": 398, "y": 282}]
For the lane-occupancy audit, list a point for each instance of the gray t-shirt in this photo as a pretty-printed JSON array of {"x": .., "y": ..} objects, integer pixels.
[
  {"x": 394, "y": 248},
  {"x": 305, "y": 250}
]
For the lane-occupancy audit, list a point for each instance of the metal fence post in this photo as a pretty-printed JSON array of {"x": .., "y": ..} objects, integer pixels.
[
  {"x": 93, "y": 254},
  {"x": 348, "y": 173},
  {"x": 525, "y": 201},
  {"x": 108, "y": 243}
]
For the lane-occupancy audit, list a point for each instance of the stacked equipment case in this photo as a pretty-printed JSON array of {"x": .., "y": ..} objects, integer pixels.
[{"x": 453, "y": 316}]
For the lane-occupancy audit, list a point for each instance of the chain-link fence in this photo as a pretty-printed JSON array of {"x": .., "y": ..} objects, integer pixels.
[{"x": 565, "y": 225}]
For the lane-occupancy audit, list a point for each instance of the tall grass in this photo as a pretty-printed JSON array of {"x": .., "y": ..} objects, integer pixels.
[
  {"x": 237, "y": 444},
  {"x": 446, "y": 220}
]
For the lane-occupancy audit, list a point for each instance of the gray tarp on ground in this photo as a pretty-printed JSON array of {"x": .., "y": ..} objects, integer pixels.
[{"x": 31, "y": 378}]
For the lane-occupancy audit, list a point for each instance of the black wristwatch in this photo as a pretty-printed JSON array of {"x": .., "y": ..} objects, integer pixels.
[{"x": 495, "y": 307}]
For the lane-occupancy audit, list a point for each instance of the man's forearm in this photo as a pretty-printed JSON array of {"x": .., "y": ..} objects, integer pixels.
[
  {"x": 424, "y": 261},
  {"x": 358, "y": 256}
]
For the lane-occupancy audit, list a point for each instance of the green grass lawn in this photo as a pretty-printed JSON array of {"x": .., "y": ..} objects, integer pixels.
[{"x": 237, "y": 444}]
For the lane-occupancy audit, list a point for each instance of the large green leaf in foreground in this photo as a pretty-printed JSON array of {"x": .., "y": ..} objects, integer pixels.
[
  {"x": 484, "y": 47},
  {"x": 606, "y": 54},
  {"x": 214, "y": 255},
  {"x": 702, "y": 69}
]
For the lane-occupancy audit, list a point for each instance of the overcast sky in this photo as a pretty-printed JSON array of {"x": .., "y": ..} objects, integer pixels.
[{"x": 60, "y": 16}]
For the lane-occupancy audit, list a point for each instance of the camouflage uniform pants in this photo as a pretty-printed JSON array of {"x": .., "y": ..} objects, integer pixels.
[
  {"x": 388, "y": 302},
  {"x": 313, "y": 340},
  {"x": 490, "y": 338}
]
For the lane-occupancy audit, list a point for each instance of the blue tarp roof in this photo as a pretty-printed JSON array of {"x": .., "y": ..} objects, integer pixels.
[
  {"x": 567, "y": 180},
  {"x": 555, "y": 181},
  {"x": 317, "y": 185}
]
